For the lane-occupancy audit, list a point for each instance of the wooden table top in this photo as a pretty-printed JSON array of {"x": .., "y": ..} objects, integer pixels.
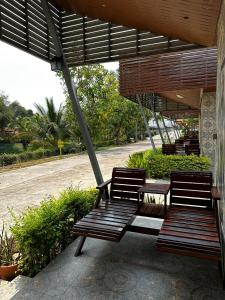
[{"x": 155, "y": 188}]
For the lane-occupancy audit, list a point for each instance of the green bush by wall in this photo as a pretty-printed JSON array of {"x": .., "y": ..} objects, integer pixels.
[
  {"x": 43, "y": 232},
  {"x": 158, "y": 165}
]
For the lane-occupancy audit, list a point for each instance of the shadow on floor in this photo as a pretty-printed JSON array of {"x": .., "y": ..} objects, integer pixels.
[{"x": 132, "y": 269}]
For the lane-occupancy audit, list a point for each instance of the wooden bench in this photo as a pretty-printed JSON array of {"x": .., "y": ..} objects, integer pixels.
[
  {"x": 192, "y": 149},
  {"x": 190, "y": 226},
  {"x": 168, "y": 149},
  {"x": 110, "y": 217}
]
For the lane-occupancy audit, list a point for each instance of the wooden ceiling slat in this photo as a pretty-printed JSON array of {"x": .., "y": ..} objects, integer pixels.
[
  {"x": 176, "y": 71},
  {"x": 192, "y": 20},
  {"x": 104, "y": 41}
]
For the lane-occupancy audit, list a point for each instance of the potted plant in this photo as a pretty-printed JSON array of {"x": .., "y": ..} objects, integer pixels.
[{"x": 8, "y": 256}]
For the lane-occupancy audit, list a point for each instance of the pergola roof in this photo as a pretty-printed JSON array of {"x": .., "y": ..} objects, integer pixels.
[
  {"x": 161, "y": 104},
  {"x": 190, "y": 20},
  {"x": 178, "y": 76},
  {"x": 84, "y": 39}
]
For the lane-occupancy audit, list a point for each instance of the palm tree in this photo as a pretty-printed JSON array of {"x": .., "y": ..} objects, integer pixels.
[{"x": 53, "y": 121}]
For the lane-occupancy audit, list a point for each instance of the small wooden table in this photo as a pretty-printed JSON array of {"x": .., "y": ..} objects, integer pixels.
[{"x": 151, "y": 209}]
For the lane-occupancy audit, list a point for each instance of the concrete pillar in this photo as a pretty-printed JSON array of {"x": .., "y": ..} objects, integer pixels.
[
  {"x": 220, "y": 120},
  {"x": 208, "y": 126}
]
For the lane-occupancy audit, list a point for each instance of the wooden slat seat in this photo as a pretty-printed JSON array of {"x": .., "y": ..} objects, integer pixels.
[
  {"x": 191, "y": 232},
  {"x": 108, "y": 221},
  {"x": 111, "y": 216},
  {"x": 190, "y": 226}
]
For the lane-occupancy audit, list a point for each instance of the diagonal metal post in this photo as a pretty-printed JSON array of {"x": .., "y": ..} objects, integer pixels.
[
  {"x": 175, "y": 134},
  {"x": 146, "y": 124},
  {"x": 164, "y": 125},
  {"x": 157, "y": 124},
  {"x": 175, "y": 129},
  {"x": 153, "y": 98},
  {"x": 72, "y": 92}
]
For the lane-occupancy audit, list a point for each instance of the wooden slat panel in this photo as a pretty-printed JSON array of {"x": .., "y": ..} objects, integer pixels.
[
  {"x": 113, "y": 212},
  {"x": 102, "y": 222},
  {"x": 185, "y": 234},
  {"x": 98, "y": 226},
  {"x": 188, "y": 177},
  {"x": 190, "y": 241},
  {"x": 109, "y": 215},
  {"x": 191, "y": 210},
  {"x": 191, "y": 193},
  {"x": 192, "y": 186},
  {"x": 137, "y": 181},
  {"x": 121, "y": 187},
  {"x": 189, "y": 230},
  {"x": 124, "y": 195},
  {"x": 108, "y": 219},
  {"x": 191, "y": 201},
  {"x": 158, "y": 73}
]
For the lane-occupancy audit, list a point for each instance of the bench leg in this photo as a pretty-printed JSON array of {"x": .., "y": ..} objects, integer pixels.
[{"x": 80, "y": 245}]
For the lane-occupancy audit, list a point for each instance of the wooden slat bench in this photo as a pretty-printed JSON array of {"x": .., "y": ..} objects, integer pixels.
[
  {"x": 192, "y": 149},
  {"x": 168, "y": 149},
  {"x": 190, "y": 226},
  {"x": 108, "y": 221},
  {"x": 110, "y": 217}
]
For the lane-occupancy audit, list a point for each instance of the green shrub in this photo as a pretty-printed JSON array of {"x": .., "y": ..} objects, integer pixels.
[
  {"x": 8, "y": 159},
  {"x": 43, "y": 232},
  {"x": 158, "y": 165},
  {"x": 10, "y": 148}
]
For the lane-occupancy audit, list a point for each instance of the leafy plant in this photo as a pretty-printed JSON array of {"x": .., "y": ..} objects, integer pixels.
[
  {"x": 158, "y": 165},
  {"x": 7, "y": 249},
  {"x": 43, "y": 232}
]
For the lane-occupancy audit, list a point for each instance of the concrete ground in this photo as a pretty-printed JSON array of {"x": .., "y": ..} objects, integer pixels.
[
  {"x": 133, "y": 269},
  {"x": 28, "y": 186}
]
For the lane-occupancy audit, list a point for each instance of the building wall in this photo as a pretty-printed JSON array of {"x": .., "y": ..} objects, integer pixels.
[
  {"x": 208, "y": 126},
  {"x": 220, "y": 115}
]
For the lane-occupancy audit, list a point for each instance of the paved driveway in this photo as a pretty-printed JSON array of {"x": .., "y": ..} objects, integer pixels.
[{"x": 28, "y": 186}]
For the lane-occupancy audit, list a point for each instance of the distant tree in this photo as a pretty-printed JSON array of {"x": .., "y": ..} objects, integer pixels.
[
  {"x": 25, "y": 131},
  {"x": 109, "y": 116},
  {"x": 19, "y": 111},
  {"x": 5, "y": 113},
  {"x": 51, "y": 121}
]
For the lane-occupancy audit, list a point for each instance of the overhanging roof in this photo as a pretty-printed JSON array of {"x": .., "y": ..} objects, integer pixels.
[
  {"x": 190, "y": 20},
  {"x": 85, "y": 40},
  {"x": 178, "y": 76},
  {"x": 163, "y": 105}
]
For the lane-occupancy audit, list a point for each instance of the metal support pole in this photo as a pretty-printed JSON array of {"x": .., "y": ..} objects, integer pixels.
[
  {"x": 146, "y": 124},
  {"x": 175, "y": 134},
  {"x": 159, "y": 129},
  {"x": 72, "y": 92},
  {"x": 175, "y": 128},
  {"x": 164, "y": 125}
]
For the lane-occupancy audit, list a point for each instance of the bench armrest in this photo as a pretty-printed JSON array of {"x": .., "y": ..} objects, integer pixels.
[
  {"x": 104, "y": 184},
  {"x": 215, "y": 193}
]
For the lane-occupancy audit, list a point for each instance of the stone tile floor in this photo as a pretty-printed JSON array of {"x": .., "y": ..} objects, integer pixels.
[{"x": 132, "y": 269}]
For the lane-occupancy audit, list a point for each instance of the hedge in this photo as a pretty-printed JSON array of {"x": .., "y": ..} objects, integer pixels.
[
  {"x": 13, "y": 158},
  {"x": 158, "y": 165},
  {"x": 43, "y": 232}
]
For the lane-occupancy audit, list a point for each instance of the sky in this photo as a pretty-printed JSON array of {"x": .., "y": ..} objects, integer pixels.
[{"x": 28, "y": 79}]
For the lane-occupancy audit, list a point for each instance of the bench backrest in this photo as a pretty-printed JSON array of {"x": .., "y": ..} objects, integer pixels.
[
  {"x": 168, "y": 149},
  {"x": 192, "y": 149},
  {"x": 191, "y": 188},
  {"x": 126, "y": 182}
]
